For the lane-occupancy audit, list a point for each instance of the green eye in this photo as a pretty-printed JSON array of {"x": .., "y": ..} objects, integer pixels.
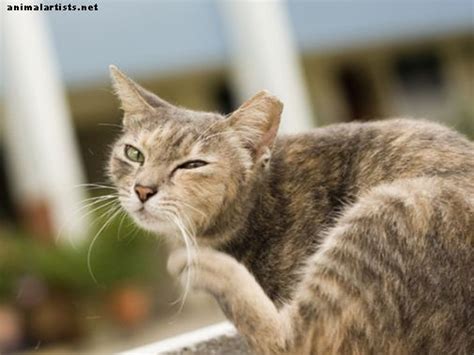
[{"x": 134, "y": 154}]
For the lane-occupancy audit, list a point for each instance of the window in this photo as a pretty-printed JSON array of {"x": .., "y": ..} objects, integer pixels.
[
  {"x": 358, "y": 92},
  {"x": 419, "y": 72}
]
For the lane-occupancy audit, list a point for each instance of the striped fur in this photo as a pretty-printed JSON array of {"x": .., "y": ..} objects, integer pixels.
[{"x": 349, "y": 239}]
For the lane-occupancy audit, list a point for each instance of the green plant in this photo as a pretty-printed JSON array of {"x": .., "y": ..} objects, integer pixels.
[{"x": 120, "y": 253}]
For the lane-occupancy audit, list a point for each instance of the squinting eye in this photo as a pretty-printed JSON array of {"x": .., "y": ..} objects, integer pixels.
[
  {"x": 193, "y": 164},
  {"x": 134, "y": 154}
]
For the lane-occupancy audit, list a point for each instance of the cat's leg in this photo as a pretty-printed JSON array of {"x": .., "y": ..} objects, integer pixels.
[
  {"x": 294, "y": 329},
  {"x": 240, "y": 296},
  {"x": 392, "y": 275},
  {"x": 377, "y": 284}
]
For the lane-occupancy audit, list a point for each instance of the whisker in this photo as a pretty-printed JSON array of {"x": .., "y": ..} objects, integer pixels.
[
  {"x": 106, "y": 202},
  {"x": 97, "y": 198},
  {"x": 136, "y": 230},
  {"x": 61, "y": 228},
  {"x": 111, "y": 208},
  {"x": 190, "y": 252},
  {"x": 98, "y": 186},
  {"x": 179, "y": 212},
  {"x": 120, "y": 225},
  {"x": 198, "y": 139},
  {"x": 89, "y": 251},
  {"x": 233, "y": 132},
  {"x": 193, "y": 208},
  {"x": 94, "y": 185},
  {"x": 189, "y": 224}
]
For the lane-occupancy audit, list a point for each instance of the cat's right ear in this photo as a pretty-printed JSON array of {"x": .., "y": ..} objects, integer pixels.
[
  {"x": 134, "y": 98},
  {"x": 257, "y": 122}
]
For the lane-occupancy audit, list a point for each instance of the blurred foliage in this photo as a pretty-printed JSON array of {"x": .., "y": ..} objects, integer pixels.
[
  {"x": 465, "y": 123},
  {"x": 120, "y": 253}
]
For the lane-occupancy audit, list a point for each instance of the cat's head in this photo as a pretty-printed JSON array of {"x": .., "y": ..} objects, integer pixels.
[{"x": 182, "y": 171}]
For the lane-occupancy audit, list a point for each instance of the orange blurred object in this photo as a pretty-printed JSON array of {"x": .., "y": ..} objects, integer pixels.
[
  {"x": 11, "y": 328},
  {"x": 130, "y": 305}
]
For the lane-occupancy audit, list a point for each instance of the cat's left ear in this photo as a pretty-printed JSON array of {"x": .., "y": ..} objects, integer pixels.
[
  {"x": 133, "y": 97},
  {"x": 257, "y": 122}
]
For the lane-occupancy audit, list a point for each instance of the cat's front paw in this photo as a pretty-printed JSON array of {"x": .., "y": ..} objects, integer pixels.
[
  {"x": 180, "y": 260},
  {"x": 240, "y": 297},
  {"x": 205, "y": 269}
]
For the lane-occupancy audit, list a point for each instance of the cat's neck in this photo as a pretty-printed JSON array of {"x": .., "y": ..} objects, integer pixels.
[
  {"x": 258, "y": 240},
  {"x": 295, "y": 200},
  {"x": 233, "y": 221}
]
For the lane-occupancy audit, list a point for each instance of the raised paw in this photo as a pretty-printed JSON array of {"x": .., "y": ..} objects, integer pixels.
[
  {"x": 241, "y": 298},
  {"x": 205, "y": 269},
  {"x": 179, "y": 260}
]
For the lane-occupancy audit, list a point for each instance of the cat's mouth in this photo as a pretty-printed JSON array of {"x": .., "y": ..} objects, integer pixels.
[
  {"x": 144, "y": 213},
  {"x": 151, "y": 217},
  {"x": 149, "y": 220}
]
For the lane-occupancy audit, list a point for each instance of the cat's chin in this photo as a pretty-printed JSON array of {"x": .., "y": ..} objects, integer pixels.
[{"x": 155, "y": 225}]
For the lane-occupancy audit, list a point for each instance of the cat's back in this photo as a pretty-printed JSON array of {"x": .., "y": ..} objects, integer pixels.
[
  {"x": 314, "y": 177},
  {"x": 364, "y": 154}
]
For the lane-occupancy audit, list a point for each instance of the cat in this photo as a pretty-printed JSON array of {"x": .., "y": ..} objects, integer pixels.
[{"x": 356, "y": 238}]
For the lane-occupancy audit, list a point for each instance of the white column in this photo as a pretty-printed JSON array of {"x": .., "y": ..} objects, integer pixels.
[
  {"x": 264, "y": 56},
  {"x": 42, "y": 154}
]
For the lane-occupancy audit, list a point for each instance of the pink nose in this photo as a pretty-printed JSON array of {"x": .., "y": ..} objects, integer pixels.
[{"x": 145, "y": 192}]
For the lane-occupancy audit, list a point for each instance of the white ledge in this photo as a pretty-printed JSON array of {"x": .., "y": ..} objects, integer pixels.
[{"x": 221, "y": 338}]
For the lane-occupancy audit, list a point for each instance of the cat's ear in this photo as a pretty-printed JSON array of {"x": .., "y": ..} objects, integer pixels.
[
  {"x": 257, "y": 122},
  {"x": 133, "y": 97}
]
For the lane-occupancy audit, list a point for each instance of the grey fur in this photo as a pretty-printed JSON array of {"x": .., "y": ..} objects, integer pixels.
[{"x": 353, "y": 238}]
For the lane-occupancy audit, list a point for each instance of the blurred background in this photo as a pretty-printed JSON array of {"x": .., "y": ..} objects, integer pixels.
[{"x": 77, "y": 276}]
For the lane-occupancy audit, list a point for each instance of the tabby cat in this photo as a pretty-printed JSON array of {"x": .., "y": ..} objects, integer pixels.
[{"x": 349, "y": 239}]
